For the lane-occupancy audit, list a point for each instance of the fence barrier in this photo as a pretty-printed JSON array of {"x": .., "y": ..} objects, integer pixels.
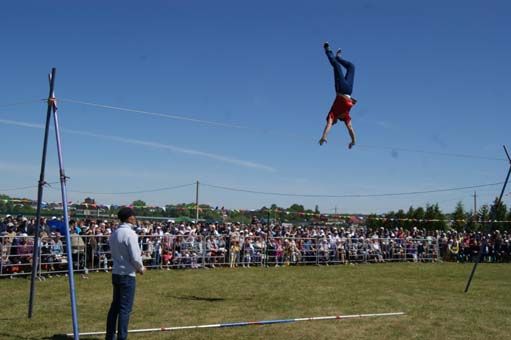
[{"x": 92, "y": 253}]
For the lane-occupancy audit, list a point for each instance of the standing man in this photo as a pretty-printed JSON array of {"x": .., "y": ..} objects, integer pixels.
[
  {"x": 343, "y": 103},
  {"x": 127, "y": 261}
]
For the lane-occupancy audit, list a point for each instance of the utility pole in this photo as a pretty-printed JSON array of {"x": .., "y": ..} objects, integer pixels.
[
  {"x": 197, "y": 203},
  {"x": 475, "y": 207}
]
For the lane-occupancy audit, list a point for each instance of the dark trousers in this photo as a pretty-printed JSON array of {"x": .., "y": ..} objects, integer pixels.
[
  {"x": 120, "y": 309},
  {"x": 343, "y": 82}
]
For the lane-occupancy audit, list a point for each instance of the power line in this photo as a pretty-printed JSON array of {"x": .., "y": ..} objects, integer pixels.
[
  {"x": 28, "y": 187},
  {"x": 349, "y": 195},
  {"x": 19, "y": 188},
  {"x": 133, "y": 192},
  {"x": 268, "y": 193}
]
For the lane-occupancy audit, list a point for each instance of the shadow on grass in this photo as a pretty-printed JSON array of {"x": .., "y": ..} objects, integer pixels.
[
  {"x": 57, "y": 337},
  {"x": 197, "y": 298},
  {"x": 14, "y": 336},
  {"x": 205, "y": 298},
  {"x": 62, "y": 337}
]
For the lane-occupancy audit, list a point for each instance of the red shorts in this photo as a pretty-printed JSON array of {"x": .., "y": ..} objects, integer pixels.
[{"x": 340, "y": 109}]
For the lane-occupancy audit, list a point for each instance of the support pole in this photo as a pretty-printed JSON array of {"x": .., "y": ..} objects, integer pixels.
[
  {"x": 484, "y": 241},
  {"x": 36, "y": 250},
  {"x": 63, "y": 190}
]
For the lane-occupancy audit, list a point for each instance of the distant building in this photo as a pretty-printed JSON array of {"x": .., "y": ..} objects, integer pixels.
[{"x": 89, "y": 201}]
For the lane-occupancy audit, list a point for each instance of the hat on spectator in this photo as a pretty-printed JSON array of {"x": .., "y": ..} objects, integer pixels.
[{"x": 125, "y": 213}]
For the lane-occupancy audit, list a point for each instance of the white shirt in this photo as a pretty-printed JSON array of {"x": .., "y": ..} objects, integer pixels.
[{"x": 126, "y": 254}]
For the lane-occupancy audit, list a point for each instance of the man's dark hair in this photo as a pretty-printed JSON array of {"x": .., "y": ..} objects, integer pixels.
[{"x": 125, "y": 213}]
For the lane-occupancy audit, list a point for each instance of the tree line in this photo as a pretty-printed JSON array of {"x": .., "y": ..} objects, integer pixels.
[{"x": 429, "y": 217}]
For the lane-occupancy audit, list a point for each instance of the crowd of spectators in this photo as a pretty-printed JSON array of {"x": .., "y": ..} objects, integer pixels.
[{"x": 167, "y": 244}]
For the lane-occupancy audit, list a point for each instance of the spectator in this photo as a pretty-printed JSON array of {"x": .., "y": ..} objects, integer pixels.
[{"x": 126, "y": 262}]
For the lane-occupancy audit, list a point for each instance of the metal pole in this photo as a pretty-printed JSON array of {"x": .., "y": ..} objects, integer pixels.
[
  {"x": 66, "y": 222},
  {"x": 35, "y": 254},
  {"x": 252, "y": 323},
  {"x": 204, "y": 245},
  {"x": 197, "y": 203},
  {"x": 2, "y": 242},
  {"x": 40, "y": 263},
  {"x": 483, "y": 241}
]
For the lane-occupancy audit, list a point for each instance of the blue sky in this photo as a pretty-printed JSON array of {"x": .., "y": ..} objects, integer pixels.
[{"x": 430, "y": 76}]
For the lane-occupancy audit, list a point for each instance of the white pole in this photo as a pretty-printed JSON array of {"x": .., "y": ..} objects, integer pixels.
[{"x": 250, "y": 323}]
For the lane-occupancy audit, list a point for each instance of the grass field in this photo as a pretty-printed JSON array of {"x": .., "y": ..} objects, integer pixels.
[{"x": 431, "y": 295}]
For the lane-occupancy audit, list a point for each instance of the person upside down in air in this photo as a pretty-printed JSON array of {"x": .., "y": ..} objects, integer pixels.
[{"x": 343, "y": 102}]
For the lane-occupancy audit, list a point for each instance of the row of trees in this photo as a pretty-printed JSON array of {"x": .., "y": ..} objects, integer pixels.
[
  {"x": 296, "y": 213},
  {"x": 429, "y": 217},
  {"x": 432, "y": 218}
]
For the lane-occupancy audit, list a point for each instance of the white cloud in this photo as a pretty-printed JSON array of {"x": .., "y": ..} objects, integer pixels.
[{"x": 157, "y": 145}]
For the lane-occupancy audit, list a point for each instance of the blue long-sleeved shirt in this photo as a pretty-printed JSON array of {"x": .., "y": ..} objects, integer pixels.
[{"x": 126, "y": 254}]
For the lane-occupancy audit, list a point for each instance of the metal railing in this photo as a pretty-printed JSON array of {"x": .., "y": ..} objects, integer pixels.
[{"x": 92, "y": 253}]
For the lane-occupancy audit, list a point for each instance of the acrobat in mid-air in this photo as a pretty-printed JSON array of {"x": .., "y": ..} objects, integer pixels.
[{"x": 343, "y": 102}]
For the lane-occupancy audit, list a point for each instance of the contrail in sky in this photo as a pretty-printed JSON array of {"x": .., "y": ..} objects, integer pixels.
[{"x": 155, "y": 145}]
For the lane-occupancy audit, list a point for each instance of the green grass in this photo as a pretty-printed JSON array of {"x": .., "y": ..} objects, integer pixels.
[{"x": 431, "y": 295}]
